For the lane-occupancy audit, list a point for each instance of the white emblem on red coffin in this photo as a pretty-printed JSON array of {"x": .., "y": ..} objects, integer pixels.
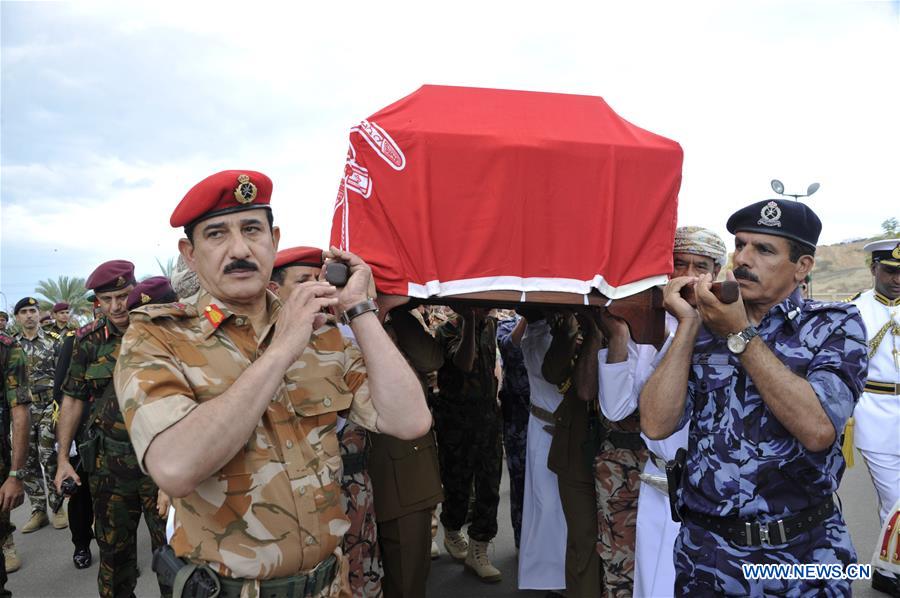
[
  {"x": 382, "y": 143},
  {"x": 357, "y": 178}
]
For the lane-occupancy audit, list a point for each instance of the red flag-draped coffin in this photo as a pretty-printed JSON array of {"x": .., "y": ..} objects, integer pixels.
[{"x": 458, "y": 190}]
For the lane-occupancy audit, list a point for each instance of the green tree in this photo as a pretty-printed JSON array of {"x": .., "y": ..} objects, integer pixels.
[
  {"x": 890, "y": 228},
  {"x": 65, "y": 288}
]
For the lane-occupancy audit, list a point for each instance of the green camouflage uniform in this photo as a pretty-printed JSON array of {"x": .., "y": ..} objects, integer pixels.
[
  {"x": 467, "y": 423},
  {"x": 41, "y": 353},
  {"x": 14, "y": 368},
  {"x": 119, "y": 489}
]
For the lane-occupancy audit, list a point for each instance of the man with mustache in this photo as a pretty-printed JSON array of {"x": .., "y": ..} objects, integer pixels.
[
  {"x": 231, "y": 400},
  {"x": 120, "y": 491},
  {"x": 41, "y": 348},
  {"x": 877, "y": 416},
  {"x": 767, "y": 384}
]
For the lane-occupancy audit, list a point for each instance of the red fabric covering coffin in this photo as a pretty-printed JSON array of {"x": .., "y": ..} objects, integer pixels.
[{"x": 457, "y": 190}]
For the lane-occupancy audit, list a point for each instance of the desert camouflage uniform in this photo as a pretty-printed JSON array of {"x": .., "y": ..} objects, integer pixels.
[
  {"x": 467, "y": 424},
  {"x": 515, "y": 396},
  {"x": 361, "y": 540},
  {"x": 14, "y": 387},
  {"x": 120, "y": 491},
  {"x": 274, "y": 510},
  {"x": 617, "y": 483},
  {"x": 41, "y": 352},
  {"x": 743, "y": 463}
]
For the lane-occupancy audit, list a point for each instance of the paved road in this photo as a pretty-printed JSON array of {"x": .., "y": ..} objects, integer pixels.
[{"x": 47, "y": 569}]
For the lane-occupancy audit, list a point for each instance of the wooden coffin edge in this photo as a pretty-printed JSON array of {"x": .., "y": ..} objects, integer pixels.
[{"x": 643, "y": 311}]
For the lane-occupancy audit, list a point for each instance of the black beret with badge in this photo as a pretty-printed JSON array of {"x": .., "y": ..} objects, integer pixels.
[
  {"x": 780, "y": 217},
  {"x": 25, "y": 302}
]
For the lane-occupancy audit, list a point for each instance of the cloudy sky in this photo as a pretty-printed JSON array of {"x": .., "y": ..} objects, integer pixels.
[{"x": 110, "y": 112}]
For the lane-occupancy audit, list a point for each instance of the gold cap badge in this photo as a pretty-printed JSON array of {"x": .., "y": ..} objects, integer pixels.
[
  {"x": 245, "y": 192},
  {"x": 896, "y": 252},
  {"x": 145, "y": 298}
]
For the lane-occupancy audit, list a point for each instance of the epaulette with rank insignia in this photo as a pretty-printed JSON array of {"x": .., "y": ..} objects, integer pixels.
[
  {"x": 89, "y": 328},
  {"x": 165, "y": 310},
  {"x": 855, "y": 297},
  {"x": 70, "y": 333},
  {"x": 54, "y": 334}
]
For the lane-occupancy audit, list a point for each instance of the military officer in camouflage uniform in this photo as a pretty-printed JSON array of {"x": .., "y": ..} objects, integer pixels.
[
  {"x": 41, "y": 350},
  {"x": 15, "y": 414},
  {"x": 467, "y": 423},
  {"x": 119, "y": 489},
  {"x": 61, "y": 322},
  {"x": 767, "y": 384},
  {"x": 256, "y": 386},
  {"x": 292, "y": 267}
]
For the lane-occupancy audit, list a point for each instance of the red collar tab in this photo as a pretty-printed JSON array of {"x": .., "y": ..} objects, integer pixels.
[{"x": 214, "y": 315}]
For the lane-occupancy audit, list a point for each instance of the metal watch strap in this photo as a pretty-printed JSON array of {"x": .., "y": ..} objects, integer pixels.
[
  {"x": 748, "y": 333},
  {"x": 357, "y": 310}
]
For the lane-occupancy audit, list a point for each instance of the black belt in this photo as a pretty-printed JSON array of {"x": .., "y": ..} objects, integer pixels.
[
  {"x": 296, "y": 586},
  {"x": 543, "y": 415},
  {"x": 882, "y": 388},
  {"x": 354, "y": 463},
  {"x": 630, "y": 441},
  {"x": 753, "y": 533}
]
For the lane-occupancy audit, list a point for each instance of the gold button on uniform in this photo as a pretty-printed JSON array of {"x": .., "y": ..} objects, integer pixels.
[
  {"x": 327, "y": 402},
  {"x": 289, "y": 444},
  {"x": 310, "y": 540}
]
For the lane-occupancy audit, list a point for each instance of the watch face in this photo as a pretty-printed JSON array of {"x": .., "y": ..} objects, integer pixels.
[{"x": 736, "y": 343}]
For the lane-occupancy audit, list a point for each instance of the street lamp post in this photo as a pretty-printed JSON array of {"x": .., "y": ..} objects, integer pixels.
[{"x": 778, "y": 187}]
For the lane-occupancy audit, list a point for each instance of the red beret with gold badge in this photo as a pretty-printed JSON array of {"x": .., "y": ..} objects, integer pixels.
[
  {"x": 299, "y": 256},
  {"x": 111, "y": 276},
  {"x": 222, "y": 193}
]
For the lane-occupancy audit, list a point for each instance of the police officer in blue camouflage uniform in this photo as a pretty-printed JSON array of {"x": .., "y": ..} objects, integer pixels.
[{"x": 767, "y": 383}]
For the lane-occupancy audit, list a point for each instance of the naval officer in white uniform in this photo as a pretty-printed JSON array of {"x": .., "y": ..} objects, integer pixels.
[{"x": 877, "y": 415}]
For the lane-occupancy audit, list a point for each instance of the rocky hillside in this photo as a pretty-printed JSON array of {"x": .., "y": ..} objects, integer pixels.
[{"x": 840, "y": 271}]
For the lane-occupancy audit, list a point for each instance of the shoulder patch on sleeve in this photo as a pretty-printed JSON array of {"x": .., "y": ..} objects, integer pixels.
[
  {"x": 89, "y": 328},
  {"x": 165, "y": 310}
]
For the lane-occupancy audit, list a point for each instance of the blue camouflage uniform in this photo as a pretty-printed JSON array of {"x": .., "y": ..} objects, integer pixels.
[
  {"x": 743, "y": 463},
  {"x": 515, "y": 395}
]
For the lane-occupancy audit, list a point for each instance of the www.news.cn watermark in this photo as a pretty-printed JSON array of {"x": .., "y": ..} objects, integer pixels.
[{"x": 852, "y": 571}]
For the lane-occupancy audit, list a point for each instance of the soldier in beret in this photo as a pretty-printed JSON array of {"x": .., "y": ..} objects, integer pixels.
[
  {"x": 767, "y": 384},
  {"x": 41, "y": 349},
  {"x": 121, "y": 492},
  {"x": 257, "y": 385},
  {"x": 879, "y": 407},
  {"x": 151, "y": 291},
  {"x": 293, "y": 267},
  {"x": 60, "y": 323}
]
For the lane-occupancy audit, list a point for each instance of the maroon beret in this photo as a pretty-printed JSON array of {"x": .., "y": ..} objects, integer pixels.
[
  {"x": 299, "y": 256},
  {"x": 156, "y": 289},
  {"x": 222, "y": 193},
  {"x": 111, "y": 276},
  {"x": 62, "y": 305}
]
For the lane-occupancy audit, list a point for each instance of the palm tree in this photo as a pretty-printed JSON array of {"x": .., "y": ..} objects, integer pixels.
[
  {"x": 64, "y": 289},
  {"x": 168, "y": 269}
]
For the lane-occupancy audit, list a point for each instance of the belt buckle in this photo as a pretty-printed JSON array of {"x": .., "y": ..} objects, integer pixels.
[{"x": 763, "y": 533}]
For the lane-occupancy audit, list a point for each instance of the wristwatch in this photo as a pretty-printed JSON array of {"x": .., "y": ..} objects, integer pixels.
[
  {"x": 363, "y": 307},
  {"x": 13, "y": 473},
  {"x": 737, "y": 343}
]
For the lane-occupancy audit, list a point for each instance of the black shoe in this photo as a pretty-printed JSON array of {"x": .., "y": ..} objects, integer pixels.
[
  {"x": 82, "y": 557},
  {"x": 885, "y": 583}
]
